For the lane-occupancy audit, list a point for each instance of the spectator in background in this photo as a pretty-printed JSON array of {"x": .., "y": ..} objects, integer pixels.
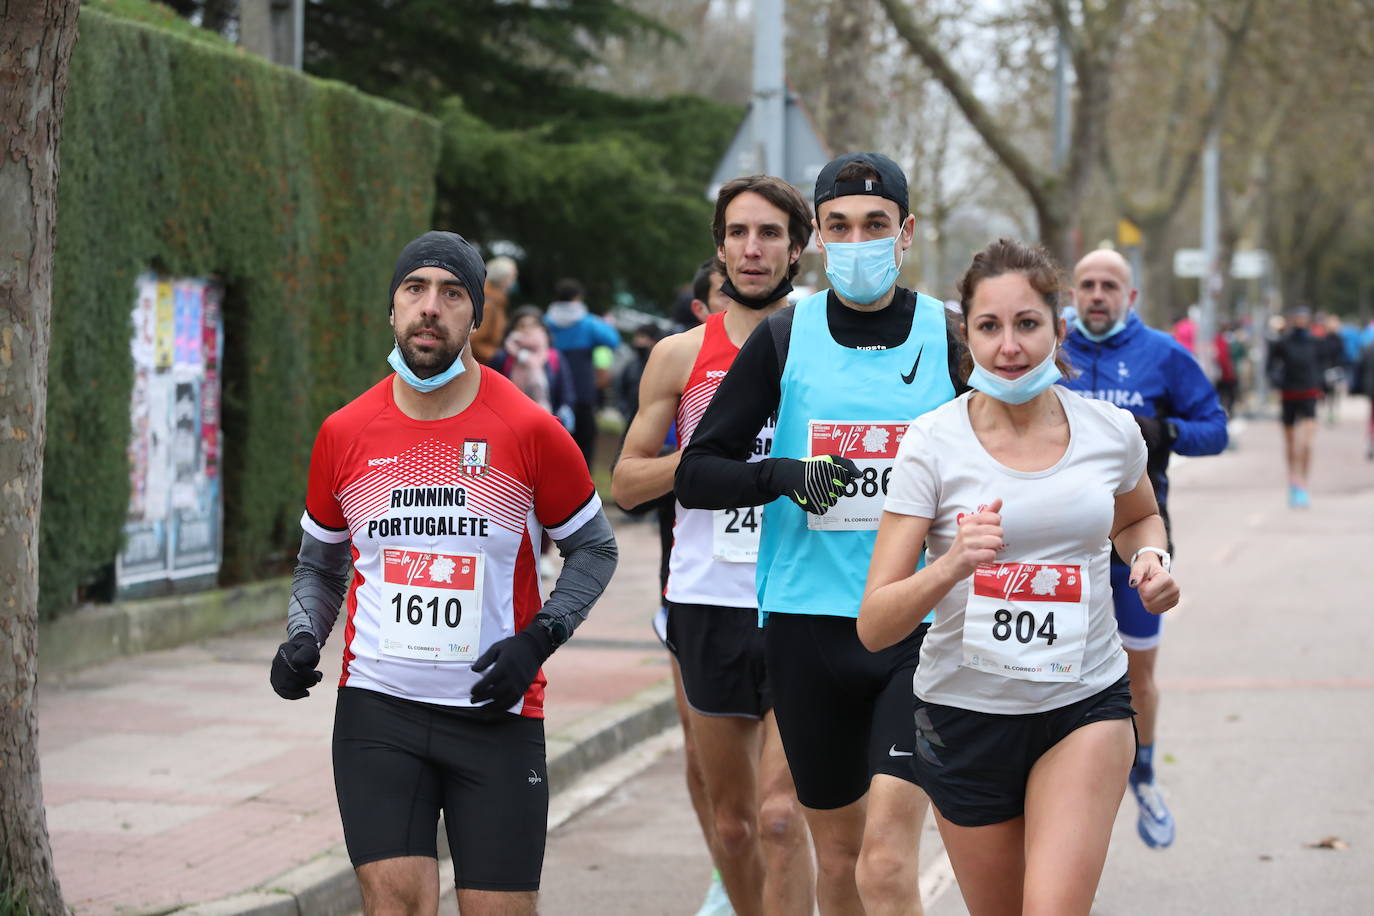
[
  {"x": 528, "y": 359},
  {"x": 1363, "y": 383},
  {"x": 501, "y": 275},
  {"x": 1226, "y": 380},
  {"x": 706, "y": 298},
  {"x": 627, "y": 379},
  {"x": 1185, "y": 332},
  {"x": 576, "y": 333},
  {"x": 1295, "y": 369},
  {"x": 1334, "y": 375}
]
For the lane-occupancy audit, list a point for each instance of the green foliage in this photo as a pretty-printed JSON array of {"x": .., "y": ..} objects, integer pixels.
[
  {"x": 613, "y": 193},
  {"x": 190, "y": 160},
  {"x": 159, "y": 15},
  {"x": 14, "y": 900},
  {"x": 503, "y": 57}
]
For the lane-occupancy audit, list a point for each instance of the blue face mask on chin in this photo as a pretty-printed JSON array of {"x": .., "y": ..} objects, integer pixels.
[
  {"x": 425, "y": 385},
  {"x": 860, "y": 272},
  {"x": 1016, "y": 390},
  {"x": 1098, "y": 338}
]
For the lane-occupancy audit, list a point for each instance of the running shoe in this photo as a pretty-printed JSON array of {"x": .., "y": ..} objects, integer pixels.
[
  {"x": 1298, "y": 499},
  {"x": 1156, "y": 824},
  {"x": 717, "y": 902}
]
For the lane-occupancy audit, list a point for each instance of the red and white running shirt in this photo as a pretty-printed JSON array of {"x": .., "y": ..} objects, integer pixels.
[
  {"x": 444, "y": 518},
  {"x": 714, "y": 552}
]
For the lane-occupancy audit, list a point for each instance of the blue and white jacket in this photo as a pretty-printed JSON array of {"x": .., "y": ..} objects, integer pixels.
[{"x": 1152, "y": 375}]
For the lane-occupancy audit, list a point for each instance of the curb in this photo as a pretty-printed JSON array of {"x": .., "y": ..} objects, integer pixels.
[
  {"x": 100, "y": 633},
  {"x": 326, "y": 886}
]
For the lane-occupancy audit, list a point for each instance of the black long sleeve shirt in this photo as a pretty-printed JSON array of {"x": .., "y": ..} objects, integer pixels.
[{"x": 714, "y": 472}]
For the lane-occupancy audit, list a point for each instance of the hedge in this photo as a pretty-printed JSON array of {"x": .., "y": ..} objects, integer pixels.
[{"x": 193, "y": 160}]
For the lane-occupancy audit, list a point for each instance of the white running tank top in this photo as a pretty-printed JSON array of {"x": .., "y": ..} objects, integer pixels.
[{"x": 714, "y": 551}]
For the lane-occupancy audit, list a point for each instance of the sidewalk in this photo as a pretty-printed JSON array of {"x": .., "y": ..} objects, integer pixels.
[{"x": 177, "y": 778}]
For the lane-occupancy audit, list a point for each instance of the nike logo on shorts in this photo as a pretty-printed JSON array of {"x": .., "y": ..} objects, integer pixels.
[
  {"x": 911, "y": 376},
  {"x": 893, "y": 752}
]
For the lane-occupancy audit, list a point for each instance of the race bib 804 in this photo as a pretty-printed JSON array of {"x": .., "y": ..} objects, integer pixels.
[{"x": 1027, "y": 621}]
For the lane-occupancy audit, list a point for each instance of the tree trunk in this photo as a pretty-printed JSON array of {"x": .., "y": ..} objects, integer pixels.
[
  {"x": 36, "y": 38},
  {"x": 1156, "y": 303},
  {"x": 849, "y": 96}
]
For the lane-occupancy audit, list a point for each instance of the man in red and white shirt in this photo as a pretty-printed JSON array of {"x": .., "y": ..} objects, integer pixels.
[
  {"x": 435, "y": 484},
  {"x": 761, "y": 226}
]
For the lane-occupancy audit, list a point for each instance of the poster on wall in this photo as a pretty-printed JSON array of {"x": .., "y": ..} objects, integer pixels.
[{"x": 172, "y": 533}]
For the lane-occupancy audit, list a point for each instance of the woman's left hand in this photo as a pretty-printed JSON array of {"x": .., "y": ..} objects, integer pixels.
[{"x": 1157, "y": 588}]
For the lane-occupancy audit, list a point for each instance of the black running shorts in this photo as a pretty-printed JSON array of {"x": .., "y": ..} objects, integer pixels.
[
  {"x": 844, "y": 713},
  {"x": 1302, "y": 409},
  {"x": 974, "y": 765},
  {"x": 719, "y": 651},
  {"x": 398, "y": 763}
]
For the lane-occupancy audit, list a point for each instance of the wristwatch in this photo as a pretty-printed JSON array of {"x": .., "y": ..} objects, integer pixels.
[
  {"x": 1160, "y": 552},
  {"x": 557, "y": 628}
]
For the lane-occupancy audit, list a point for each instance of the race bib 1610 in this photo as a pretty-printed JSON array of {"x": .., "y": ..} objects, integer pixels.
[{"x": 432, "y": 604}]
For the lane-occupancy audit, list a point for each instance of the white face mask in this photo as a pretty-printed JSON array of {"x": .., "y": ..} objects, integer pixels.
[
  {"x": 434, "y": 382},
  {"x": 1098, "y": 338},
  {"x": 862, "y": 271},
  {"x": 1017, "y": 390}
]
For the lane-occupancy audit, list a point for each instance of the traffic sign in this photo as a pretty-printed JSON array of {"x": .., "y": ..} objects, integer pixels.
[
  {"x": 1245, "y": 265},
  {"x": 804, "y": 155}
]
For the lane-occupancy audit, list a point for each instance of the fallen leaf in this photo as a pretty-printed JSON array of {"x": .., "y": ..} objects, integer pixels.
[{"x": 1330, "y": 842}]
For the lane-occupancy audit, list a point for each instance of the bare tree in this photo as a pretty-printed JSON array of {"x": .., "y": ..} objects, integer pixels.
[
  {"x": 36, "y": 41},
  {"x": 1092, "y": 36},
  {"x": 1152, "y": 167},
  {"x": 850, "y": 107}
]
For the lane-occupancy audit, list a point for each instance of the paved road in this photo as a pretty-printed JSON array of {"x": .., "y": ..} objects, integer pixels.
[{"x": 1267, "y": 735}]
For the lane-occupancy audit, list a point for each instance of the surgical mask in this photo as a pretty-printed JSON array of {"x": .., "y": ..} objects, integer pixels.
[
  {"x": 860, "y": 272},
  {"x": 426, "y": 385},
  {"x": 1098, "y": 338},
  {"x": 1016, "y": 390}
]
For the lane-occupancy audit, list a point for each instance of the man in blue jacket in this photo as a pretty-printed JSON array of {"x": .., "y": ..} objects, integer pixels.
[
  {"x": 1121, "y": 360},
  {"x": 577, "y": 333}
]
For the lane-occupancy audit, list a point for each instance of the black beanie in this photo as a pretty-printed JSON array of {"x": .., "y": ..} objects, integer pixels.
[{"x": 454, "y": 254}]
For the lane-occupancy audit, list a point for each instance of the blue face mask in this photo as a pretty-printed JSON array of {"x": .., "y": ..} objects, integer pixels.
[
  {"x": 860, "y": 272},
  {"x": 426, "y": 385},
  {"x": 1016, "y": 390},
  {"x": 1098, "y": 338}
]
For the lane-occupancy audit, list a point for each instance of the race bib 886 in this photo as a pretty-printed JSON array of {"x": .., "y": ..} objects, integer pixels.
[{"x": 872, "y": 446}]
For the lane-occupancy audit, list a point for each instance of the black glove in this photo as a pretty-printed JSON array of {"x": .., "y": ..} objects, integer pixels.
[
  {"x": 293, "y": 667},
  {"x": 814, "y": 484},
  {"x": 1155, "y": 432},
  {"x": 513, "y": 663}
]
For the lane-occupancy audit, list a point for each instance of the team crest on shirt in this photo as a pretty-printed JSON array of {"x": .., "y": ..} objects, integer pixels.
[{"x": 474, "y": 457}]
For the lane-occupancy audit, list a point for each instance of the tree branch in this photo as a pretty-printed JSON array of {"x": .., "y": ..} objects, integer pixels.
[{"x": 1032, "y": 180}]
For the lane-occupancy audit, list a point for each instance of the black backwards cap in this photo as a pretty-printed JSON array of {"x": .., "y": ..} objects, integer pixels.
[
  {"x": 454, "y": 254},
  {"x": 891, "y": 182}
]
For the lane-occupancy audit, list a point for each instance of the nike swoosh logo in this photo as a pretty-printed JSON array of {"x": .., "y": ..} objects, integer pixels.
[
  {"x": 894, "y": 752},
  {"x": 911, "y": 376}
]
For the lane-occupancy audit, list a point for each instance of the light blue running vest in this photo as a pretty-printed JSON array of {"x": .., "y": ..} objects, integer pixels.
[{"x": 801, "y": 571}]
